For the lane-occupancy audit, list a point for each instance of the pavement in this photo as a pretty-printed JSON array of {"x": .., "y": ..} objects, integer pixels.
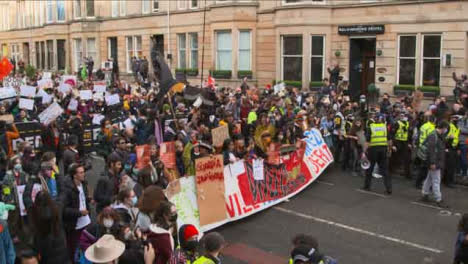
[{"x": 351, "y": 225}]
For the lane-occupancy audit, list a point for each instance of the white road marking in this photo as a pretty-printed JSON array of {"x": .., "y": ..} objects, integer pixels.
[
  {"x": 372, "y": 193},
  {"x": 358, "y": 230},
  {"x": 326, "y": 183}
]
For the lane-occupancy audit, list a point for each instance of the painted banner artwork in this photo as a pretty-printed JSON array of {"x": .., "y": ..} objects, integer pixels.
[{"x": 244, "y": 195}]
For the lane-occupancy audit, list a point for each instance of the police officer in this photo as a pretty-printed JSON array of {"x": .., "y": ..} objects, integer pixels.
[
  {"x": 401, "y": 147},
  {"x": 451, "y": 152},
  {"x": 339, "y": 132},
  {"x": 427, "y": 128},
  {"x": 377, "y": 147}
]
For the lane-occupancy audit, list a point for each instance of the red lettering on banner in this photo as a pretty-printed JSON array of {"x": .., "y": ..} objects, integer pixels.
[
  {"x": 327, "y": 150},
  {"x": 321, "y": 159},
  {"x": 230, "y": 207},
  {"x": 238, "y": 204}
]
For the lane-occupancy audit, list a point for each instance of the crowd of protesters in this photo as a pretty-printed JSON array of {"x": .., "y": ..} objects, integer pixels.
[{"x": 127, "y": 216}]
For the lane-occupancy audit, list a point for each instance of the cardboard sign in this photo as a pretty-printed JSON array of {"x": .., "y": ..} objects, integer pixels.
[
  {"x": 50, "y": 113},
  {"x": 8, "y": 118},
  {"x": 209, "y": 173},
  {"x": 143, "y": 156},
  {"x": 219, "y": 134},
  {"x": 167, "y": 154}
]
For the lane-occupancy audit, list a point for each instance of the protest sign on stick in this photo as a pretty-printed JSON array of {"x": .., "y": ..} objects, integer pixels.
[
  {"x": 50, "y": 113},
  {"x": 219, "y": 134},
  {"x": 209, "y": 173},
  {"x": 143, "y": 153},
  {"x": 167, "y": 154}
]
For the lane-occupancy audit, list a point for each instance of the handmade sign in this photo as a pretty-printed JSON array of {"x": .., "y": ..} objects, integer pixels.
[
  {"x": 7, "y": 92},
  {"x": 99, "y": 88},
  {"x": 45, "y": 83},
  {"x": 27, "y": 91},
  {"x": 27, "y": 104},
  {"x": 112, "y": 99},
  {"x": 50, "y": 113},
  {"x": 167, "y": 154},
  {"x": 86, "y": 94},
  {"x": 219, "y": 134},
  {"x": 209, "y": 173},
  {"x": 143, "y": 153}
]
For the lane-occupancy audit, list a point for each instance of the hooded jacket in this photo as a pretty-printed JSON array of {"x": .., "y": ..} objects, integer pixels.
[{"x": 162, "y": 242}]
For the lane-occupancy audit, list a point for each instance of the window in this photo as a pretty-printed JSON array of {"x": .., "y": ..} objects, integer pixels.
[
  {"x": 182, "y": 52},
  {"x": 155, "y": 5},
  {"x": 60, "y": 10},
  {"x": 50, "y": 54},
  {"x": 38, "y": 55},
  {"x": 291, "y": 58},
  {"x": 91, "y": 48},
  {"x": 123, "y": 7},
  {"x": 194, "y": 50},
  {"x": 181, "y": 4},
  {"x": 78, "y": 53},
  {"x": 37, "y": 8},
  {"x": 41, "y": 12},
  {"x": 431, "y": 60},
  {"x": 49, "y": 11},
  {"x": 317, "y": 58},
  {"x": 145, "y": 6},
  {"x": 193, "y": 3},
  {"x": 406, "y": 60},
  {"x": 61, "y": 54},
  {"x": 15, "y": 52},
  {"x": 115, "y": 8},
  {"x": 223, "y": 51},
  {"x": 90, "y": 8},
  {"x": 133, "y": 50},
  {"x": 244, "y": 50},
  {"x": 43, "y": 55},
  {"x": 77, "y": 8}
]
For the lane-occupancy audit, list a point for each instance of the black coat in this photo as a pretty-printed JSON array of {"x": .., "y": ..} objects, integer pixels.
[
  {"x": 105, "y": 191},
  {"x": 52, "y": 248},
  {"x": 70, "y": 198}
]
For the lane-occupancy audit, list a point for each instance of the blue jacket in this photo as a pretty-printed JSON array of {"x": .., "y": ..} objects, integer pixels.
[{"x": 7, "y": 250}]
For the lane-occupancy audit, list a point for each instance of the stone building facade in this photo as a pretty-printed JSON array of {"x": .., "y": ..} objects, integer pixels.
[{"x": 405, "y": 43}]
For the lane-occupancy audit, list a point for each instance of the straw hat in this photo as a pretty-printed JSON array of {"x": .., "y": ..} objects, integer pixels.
[{"x": 106, "y": 249}]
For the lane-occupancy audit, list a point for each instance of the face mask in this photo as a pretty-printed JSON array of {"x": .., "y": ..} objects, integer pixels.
[
  {"x": 173, "y": 218},
  {"x": 17, "y": 167},
  {"x": 108, "y": 223},
  {"x": 404, "y": 119},
  {"x": 108, "y": 126},
  {"x": 191, "y": 245},
  {"x": 134, "y": 200}
]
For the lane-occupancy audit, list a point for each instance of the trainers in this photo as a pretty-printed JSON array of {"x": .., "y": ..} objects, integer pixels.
[{"x": 441, "y": 204}]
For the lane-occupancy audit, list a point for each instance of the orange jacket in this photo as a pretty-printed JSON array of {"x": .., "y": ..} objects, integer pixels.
[{"x": 10, "y": 135}]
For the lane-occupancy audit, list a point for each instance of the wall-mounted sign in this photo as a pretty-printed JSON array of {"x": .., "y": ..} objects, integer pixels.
[
  {"x": 361, "y": 29},
  {"x": 381, "y": 79}
]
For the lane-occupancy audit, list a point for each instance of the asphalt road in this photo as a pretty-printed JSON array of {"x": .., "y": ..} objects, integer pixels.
[{"x": 352, "y": 226}]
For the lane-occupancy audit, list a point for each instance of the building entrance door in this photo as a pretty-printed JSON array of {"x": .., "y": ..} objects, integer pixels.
[
  {"x": 361, "y": 65},
  {"x": 112, "y": 46}
]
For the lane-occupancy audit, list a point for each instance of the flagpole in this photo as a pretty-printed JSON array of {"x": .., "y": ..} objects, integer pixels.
[{"x": 203, "y": 46}]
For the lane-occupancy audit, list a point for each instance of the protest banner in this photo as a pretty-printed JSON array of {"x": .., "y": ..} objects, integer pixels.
[
  {"x": 244, "y": 196},
  {"x": 20, "y": 191},
  {"x": 167, "y": 154},
  {"x": 219, "y": 134},
  {"x": 50, "y": 113},
  {"x": 29, "y": 132},
  {"x": 209, "y": 173},
  {"x": 27, "y": 91},
  {"x": 143, "y": 153},
  {"x": 86, "y": 95},
  {"x": 7, "y": 92},
  {"x": 27, "y": 104}
]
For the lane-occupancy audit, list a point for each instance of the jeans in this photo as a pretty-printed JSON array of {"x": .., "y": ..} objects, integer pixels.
[
  {"x": 463, "y": 161},
  {"x": 433, "y": 180}
]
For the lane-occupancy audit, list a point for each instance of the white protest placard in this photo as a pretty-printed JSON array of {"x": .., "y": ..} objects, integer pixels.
[
  {"x": 27, "y": 91},
  {"x": 45, "y": 83},
  {"x": 50, "y": 113},
  {"x": 86, "y": 94},
  {"x": 46, "y": 98},
  {"x": 97, "y": 119},
  {"x": 73, "y": 105},
  {"x": 64, "y": 88},
  {"x": 20, "y": 191},
  {"x": 98, "y": 96},
  {"x": 46, "y": 75},
  {"x": 99, "y": 88},
  {"x": 26, "y": 104},
  {"x": 258, "y": 170},
  {"x": 112, "y": 99},
  {"x": 7, "y": 92},
  {"x": 198, "y": 102}
]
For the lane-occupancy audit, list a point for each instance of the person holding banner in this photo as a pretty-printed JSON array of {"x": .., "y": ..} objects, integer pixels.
[
  {"x": 187, "y": 251},
  {"x": 212, "y": 243}
]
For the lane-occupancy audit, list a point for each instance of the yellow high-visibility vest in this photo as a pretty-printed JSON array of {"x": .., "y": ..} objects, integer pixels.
[
  {"x": 425, "y": 130},
  {"x": 203, "y": 260},
  {"x": 402, "y": 132},
  {"x": 455, "y": 132},
  {"x": 378, "y": 135}
]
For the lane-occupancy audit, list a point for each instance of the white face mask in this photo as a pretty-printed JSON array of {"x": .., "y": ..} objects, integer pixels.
[{"x": 108, "y": 223}]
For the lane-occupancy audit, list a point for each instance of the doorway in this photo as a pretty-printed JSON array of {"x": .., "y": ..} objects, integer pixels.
[
  {"x": 26, "y": 53},
  {"x": 361, "y": 65},
  {"x": 112, "y": 48},
  {"x": 159, "y": 42},
  {"x": 61, "y": 54}
]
